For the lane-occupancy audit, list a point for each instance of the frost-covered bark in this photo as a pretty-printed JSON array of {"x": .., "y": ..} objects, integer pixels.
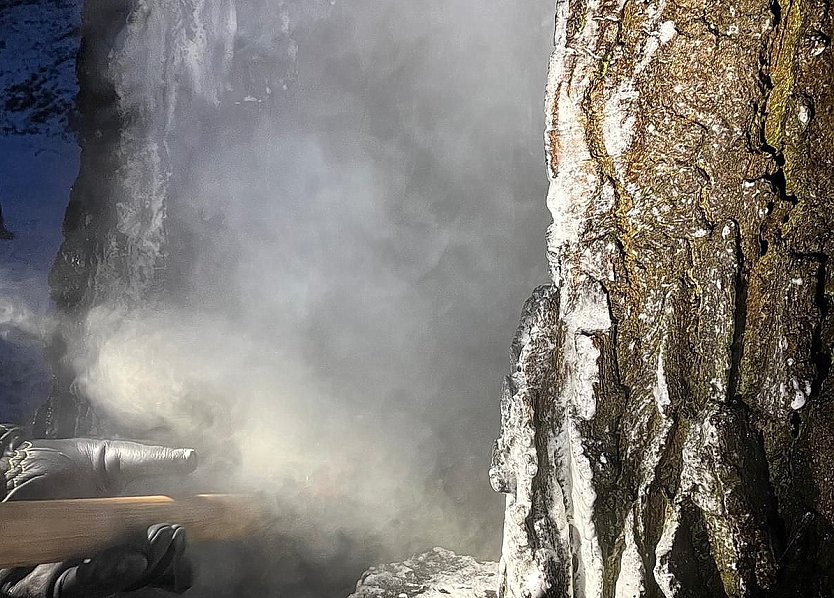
[
  {"x": 161, "y": 84},
  {"x": 667, "y": 422},
  {"x": 140, "y": 68}
]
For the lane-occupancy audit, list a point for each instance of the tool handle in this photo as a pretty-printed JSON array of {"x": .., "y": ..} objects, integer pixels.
[{"x": 49, "y": 531}]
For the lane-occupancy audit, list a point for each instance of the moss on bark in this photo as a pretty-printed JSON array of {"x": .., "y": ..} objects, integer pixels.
[{"x": 691, "y": 157}]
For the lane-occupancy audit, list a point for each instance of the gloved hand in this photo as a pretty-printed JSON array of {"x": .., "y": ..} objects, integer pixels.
[{"x": 87, "y": 468}]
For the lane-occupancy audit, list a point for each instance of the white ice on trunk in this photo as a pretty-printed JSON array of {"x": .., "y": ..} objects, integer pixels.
[
  {"x": 661, "y": 390},
  {"x": 170, "y": 58},
  {"x": 584, "y": 308},
  {"x": 619, "y": 120},
  {"x": 582, "y": 202},
  {"x": 632, "y": 573},
  {"x": 572, "y": 167},
  {"x": 666, "y": 580}
]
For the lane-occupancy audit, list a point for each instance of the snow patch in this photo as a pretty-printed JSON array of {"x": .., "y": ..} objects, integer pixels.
[
  {"x": 798, "y": 401},
  {"x": 804, "y": 114},
  {"x": 801, "y": 394},
  {"x": 667, "y": 32}
]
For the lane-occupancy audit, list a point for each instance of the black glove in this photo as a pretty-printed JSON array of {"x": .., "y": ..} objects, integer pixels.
[
  {"x": 157, "y": 562},
  {"x": 82, "y": 467},
  {"x": 86, "y": 468}
]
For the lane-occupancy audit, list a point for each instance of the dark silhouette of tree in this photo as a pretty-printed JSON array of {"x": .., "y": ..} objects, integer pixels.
[{"x": 5, "y": 234}]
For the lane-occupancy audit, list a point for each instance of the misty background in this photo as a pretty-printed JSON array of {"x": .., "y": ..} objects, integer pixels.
[{"x": 343, "y": 283}]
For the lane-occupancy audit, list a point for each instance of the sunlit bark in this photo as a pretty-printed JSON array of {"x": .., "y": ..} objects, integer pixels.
[{"x": 667, "y": 422}]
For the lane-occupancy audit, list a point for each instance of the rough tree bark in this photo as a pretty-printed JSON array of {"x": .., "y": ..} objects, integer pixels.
[
  {"x": 667, "y": 419},
  {"x": 668, "y": 423}
]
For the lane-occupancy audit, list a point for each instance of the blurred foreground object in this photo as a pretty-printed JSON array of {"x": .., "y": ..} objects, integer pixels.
[
  {"x": 43, "y": 469},
  {"x": 33, "y": 536},
  {"x": 57, "y": 530},
  {"x": 155, "y": 559}
]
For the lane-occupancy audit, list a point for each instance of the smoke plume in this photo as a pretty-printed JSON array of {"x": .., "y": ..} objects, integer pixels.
[{"x": 342, "y": 282}]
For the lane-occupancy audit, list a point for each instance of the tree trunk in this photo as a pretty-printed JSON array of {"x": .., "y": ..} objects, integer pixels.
[
  {"x": 668, "y": 423},
  {"x": 158, "y": 83}
]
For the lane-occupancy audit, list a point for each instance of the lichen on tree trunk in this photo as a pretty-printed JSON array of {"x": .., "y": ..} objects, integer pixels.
[{"x": 668, "y": 423}]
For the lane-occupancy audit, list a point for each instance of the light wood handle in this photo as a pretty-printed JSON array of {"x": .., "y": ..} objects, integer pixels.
[{"x": 49, "y": 531}]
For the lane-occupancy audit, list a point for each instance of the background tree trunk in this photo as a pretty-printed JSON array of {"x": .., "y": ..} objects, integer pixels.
[
  {"x": 668, "y": 424},
  {"x": 157, "y": 84}
]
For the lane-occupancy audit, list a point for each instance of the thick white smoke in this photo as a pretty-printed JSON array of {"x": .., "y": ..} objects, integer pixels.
[{"x": 347, "y": 276}]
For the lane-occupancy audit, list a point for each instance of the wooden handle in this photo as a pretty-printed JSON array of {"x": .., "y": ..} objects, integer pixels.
[{"x": 49, "y": 531}]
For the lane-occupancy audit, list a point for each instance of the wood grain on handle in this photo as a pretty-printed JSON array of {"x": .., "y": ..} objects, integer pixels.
[{"x": 48, "y": 531}]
